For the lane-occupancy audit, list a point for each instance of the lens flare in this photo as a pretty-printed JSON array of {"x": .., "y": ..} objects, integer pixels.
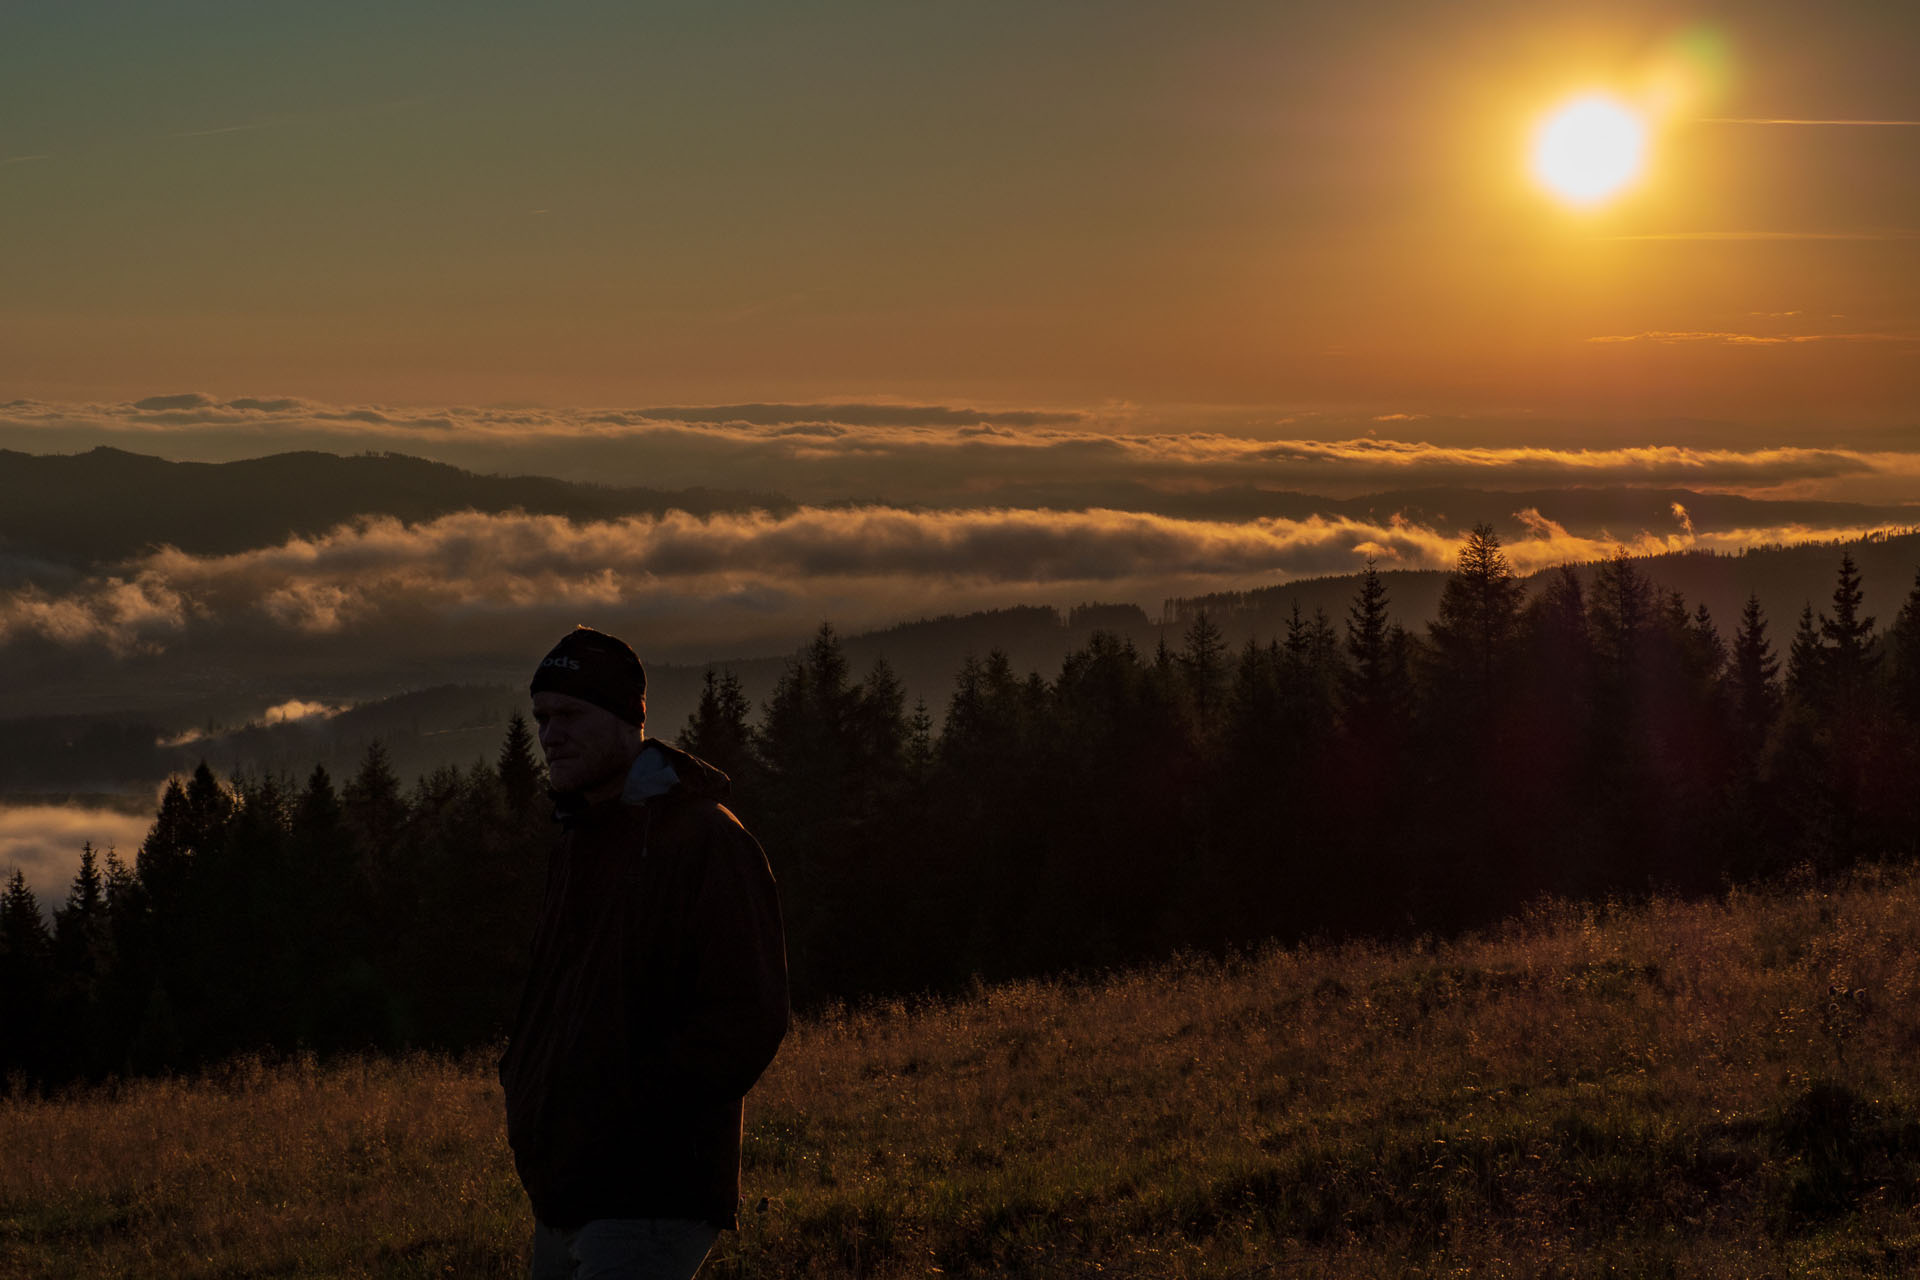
[{"x": 1589, "y": 149}]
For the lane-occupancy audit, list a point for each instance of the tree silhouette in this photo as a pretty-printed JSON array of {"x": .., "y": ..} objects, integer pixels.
[
  {"x": 1756, "y": 682},
  {"x": 717, "y": 729},
  {"x": 82, "y": 962},
  {"x": 1203, "y": 661},
  {"x": 1806, "y": 661},
  {"x": 518, "y": 764},
  {"x": 1903, "y": 647},
  {"x": 1850, "y": 656},
  {"x": 1622, "y": 611},
  {"x": 25, "y": 962},
  {"x": 1375, "y": 689},
  {"x": 165, "y": 858},
  {"x": 1478, "y": 619}
]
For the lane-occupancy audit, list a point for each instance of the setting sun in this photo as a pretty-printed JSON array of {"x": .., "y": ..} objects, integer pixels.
[{"x": 1588, "y": 150}]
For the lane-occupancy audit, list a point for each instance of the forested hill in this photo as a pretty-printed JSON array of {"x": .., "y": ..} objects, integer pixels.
[
  {"x": 1785, "y": 579},
  {"x": 108, "y": 504},
  {"x": 1618, "y": 510}
]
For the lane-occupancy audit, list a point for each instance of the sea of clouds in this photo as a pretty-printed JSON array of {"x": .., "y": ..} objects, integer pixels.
[{"x": 907, "y": 510}]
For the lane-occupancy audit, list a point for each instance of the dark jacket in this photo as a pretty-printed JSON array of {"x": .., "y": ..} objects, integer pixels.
[{"x": 657, "y": 996}]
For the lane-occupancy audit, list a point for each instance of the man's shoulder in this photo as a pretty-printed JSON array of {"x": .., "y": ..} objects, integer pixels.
[
  {"x": 705, "y": 838},
  {"x": 701, "y": 821}
]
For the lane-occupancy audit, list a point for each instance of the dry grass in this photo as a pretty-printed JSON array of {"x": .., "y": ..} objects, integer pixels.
[
  {"x": 367, "y": 1168},
  {"x": 1668, "y": 1090}
]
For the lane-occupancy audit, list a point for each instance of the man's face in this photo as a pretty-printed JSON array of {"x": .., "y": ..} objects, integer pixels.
[{"x": 585, "y": 745}]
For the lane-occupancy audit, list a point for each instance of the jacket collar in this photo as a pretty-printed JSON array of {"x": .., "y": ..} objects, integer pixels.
[{"x": 658, "y": 770}]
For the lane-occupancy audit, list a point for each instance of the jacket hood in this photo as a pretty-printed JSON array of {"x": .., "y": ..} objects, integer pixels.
[{"x": 660, "y": 769}]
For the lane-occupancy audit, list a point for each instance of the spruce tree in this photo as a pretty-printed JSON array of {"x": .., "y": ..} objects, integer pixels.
[
  {"x": 1374, "y": 689},
  {"x": 119, "y": 884},
  {"x": 1254, "y": 717},
  {"x": 1756, "y": 685},
  {"x": 1478, "y": 618},
  {"x": 518, "y": 766},
  {"x": 82, "y": 942},
  {"x": 87, "y": 897},
  {"x": 717, "y": 730},
  {"x": 375, "y": 814},
  {"x": 165, "y": 859},
  {"x": 1203, "y": 661},
  {"x": 1850, "y": 654},
  {"x": 880, "y": 730},
  {"x": 1623, "y": 610},
  {"x": 1903, "y": 645},
  {"x": 210, "y": 807},
  {"x": 23, "y": 934},
  {"x": 1806, "y": 662},
  {"x": 1706, "y": 653},
  {"x": 25, "y": 970},
  {"x": 920, "y": 741}
]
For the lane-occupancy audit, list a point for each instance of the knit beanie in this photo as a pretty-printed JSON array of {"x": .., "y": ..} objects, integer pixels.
[{"x": 598, "y": 668}]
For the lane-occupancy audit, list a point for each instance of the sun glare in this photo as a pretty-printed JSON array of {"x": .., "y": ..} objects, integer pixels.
[{"x": 1588, "y": 150}]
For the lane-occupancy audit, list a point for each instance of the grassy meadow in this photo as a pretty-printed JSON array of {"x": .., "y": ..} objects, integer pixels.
[{"x": 1696, "y": 1089}]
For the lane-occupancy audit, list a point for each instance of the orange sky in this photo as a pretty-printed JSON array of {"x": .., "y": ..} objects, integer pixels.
[{"x": 1219, "y": 204}]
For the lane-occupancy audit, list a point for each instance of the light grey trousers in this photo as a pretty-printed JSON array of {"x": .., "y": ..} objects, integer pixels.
[{"x": 622, "y": 1249}]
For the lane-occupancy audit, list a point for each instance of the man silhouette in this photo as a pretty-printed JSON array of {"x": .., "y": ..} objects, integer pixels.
[{"x": 658, "y": 989}]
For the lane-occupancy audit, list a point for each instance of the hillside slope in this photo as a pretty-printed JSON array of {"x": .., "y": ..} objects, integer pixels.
[{"x": 1718, "y": 1089}]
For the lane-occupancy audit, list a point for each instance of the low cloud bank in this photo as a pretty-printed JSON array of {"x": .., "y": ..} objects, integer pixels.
[
  {"x": 377, "y": 579},
  {"x": 43, "y": 842},
  {"x": 288, "y": 712}
]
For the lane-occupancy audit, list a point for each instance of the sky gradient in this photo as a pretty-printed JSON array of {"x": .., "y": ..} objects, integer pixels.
[{"x": 1274, "y": 207}]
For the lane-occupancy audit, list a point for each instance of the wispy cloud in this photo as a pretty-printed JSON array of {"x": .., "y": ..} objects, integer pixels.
[
  {"x": 1752, "y": 339},
  {"x": 22, "y": 159},
  {"x": 295, "y": 709},
  {"x": 1795, "y": 120},
  {"x": 1552, "y": 545},
  {"x": 289, "y": 712},
  {"x": 1897, "y": 233},
  {"x": 229, "y": 128}
]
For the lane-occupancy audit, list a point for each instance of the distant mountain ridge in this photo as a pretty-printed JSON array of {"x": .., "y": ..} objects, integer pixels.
[{"x": 87, "y": 509}]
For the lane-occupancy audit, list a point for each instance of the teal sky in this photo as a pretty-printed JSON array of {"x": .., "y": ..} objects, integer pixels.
[{"x": 1050, "y": 204}]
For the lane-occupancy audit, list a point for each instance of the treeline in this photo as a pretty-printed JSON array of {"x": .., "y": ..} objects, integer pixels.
[
  {"x": 260, "y": 915},
  {"x": 1342, "y": 777}
]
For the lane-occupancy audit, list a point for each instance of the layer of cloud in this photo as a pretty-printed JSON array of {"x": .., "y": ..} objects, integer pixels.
[
  {"x": 933, "y": 454},
  {"x": 1896, "y": 124},
  {"x": 1754, "y": 339},
  {"x": 288, "y": 712},
  {"x": 703, "y": 579},
  {"x": 295, "y": 709},
  {"x": 1894, "y": 233},
  {"x": 43, "y": 843}
]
